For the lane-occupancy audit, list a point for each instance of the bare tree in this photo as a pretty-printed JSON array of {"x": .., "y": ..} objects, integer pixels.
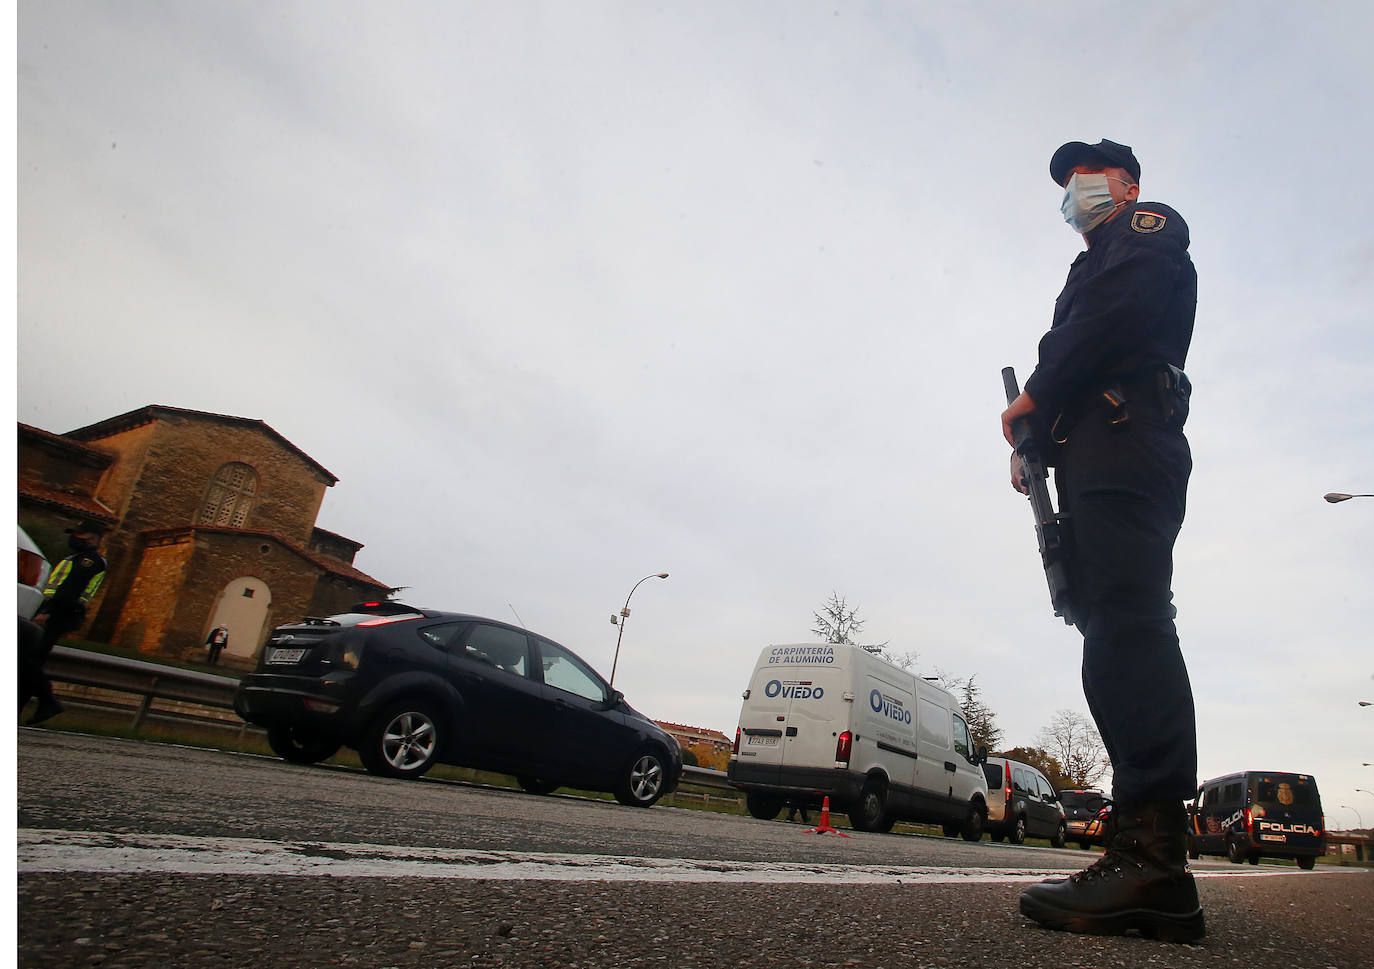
[
  {"x": 838, "y": 623},
  {"x": 982, "y": 722},
  {"x": 903, "y": 661},
  {"x": 1072, "y": 740}
]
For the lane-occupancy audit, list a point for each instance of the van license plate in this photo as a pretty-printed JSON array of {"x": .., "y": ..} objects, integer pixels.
[
  {"x": 1272, "y": 837},
  {"x": 763, "y": 741},
  {"x": 285, "y": 656}
]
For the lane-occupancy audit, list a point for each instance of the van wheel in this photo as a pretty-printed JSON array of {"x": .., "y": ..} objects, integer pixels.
[
  {"x": 869, "y": 812},
  {"x": 1085, "y": 845},
  {"x": 641, "y": 784},
  {"x": 298, "y": 745},
  {"x": 1194, "y": 849},
  {"x": 1234, "y": 852},
  {"x": 1253, "y": 857},
  {"x": 1308, "y": 862},
  {"x": 1061, "y": 836},
  {"x": 972, "y": 829},
  {"x": 402, "y": 741},
  {"x": 998, "y": 837},
  {"x": 762, "y": 806},
  {"x": 1017, "y": 835}
]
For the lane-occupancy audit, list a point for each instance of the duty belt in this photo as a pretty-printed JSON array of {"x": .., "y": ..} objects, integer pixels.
[{"x": 1164, "y": 389}]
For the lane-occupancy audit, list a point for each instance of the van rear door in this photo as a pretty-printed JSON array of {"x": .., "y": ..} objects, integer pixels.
[
  {"x": 1286, "y": 812},
  {"x": 789, "y": 718}
]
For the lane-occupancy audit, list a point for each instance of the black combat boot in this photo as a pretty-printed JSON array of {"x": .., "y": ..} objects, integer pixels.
[{"x": 1141, "y": 882}]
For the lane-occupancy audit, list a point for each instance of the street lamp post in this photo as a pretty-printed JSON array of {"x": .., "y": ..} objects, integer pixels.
[
  {"x": 1335, "y": 496},
  {"x": 625, "y": 615},
  {"x": 1358, "y": 816}
]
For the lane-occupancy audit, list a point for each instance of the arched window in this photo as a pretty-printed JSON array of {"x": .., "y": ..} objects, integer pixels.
[{"x": 230, "y": 496}]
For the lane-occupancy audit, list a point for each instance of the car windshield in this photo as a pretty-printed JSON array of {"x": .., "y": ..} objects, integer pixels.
[{"x": 1087, "y": 801}]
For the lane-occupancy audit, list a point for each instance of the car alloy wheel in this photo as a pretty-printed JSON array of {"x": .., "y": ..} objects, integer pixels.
[
  {"x": 403, "y": 741},
  {"x": 300, "y": 745},
  {"x": 642, "y": 784}
]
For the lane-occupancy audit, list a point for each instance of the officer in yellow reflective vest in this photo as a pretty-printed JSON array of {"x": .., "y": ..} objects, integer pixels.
[{"x": 68, "y": 592}]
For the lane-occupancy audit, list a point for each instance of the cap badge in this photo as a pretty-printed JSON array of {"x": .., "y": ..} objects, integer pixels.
[{"x": 1147, "y": 221}]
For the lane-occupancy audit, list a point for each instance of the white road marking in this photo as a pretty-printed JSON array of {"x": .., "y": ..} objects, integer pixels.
[{"x": 43, "y": 850}]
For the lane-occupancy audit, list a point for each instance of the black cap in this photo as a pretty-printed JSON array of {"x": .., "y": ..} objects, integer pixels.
[
  {"x": 87, "y": 527},
  {"x": 1107, "y": 154}
]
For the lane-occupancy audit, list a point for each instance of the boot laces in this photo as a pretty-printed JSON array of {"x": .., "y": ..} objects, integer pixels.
[{"x": 1120, "y": 855}]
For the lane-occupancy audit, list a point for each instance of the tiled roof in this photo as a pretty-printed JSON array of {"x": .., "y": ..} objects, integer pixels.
[
  {"x": 702, "y": 732},
  {"x": 150, "y": 412},
  {"x": 82, "y": 506},
  {"x": 325, "y": 562}
]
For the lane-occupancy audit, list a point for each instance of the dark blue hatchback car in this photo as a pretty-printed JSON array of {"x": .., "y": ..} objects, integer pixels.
[{"x": 409, "y": 687}]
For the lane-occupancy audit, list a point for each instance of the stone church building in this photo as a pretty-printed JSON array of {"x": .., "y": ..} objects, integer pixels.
[{"x": 211, "y": 521}]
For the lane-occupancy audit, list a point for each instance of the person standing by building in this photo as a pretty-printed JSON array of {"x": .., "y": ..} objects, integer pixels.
[
  {"x": 1108, "y": 399},
  {"x": 216, "y": 642},
  {"x": 68, "y": 592}
]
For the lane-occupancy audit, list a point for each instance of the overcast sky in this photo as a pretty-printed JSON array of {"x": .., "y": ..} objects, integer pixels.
[{"x": 571, "y": 293}]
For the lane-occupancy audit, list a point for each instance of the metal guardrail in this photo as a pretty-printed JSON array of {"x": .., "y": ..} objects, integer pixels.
[
  {"x": 207, "y": 696},
  {"x": 212, "y": 694}
]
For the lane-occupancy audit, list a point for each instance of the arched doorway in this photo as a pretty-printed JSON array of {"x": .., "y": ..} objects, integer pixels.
[{"x": 242, "y": 605}]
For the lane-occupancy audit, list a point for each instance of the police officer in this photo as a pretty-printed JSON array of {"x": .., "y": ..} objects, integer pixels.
[
  {"x": 67, "y": 593},
  {"x": 1108, "y": 391}
]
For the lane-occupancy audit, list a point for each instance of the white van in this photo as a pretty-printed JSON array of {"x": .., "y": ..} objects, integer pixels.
[{"x": 883, "y": 744}]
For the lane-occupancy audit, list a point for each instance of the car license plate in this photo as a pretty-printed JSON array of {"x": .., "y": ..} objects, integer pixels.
[
  {"x": 763, "y": 741},
  {"x": 285, "y": 655}
]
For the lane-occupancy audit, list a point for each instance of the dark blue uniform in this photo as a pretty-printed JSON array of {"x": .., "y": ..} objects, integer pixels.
[{"x": 1102, "y": 389}]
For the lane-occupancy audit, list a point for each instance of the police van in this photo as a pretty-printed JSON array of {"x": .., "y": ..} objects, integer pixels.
[
  {"x": 1258, "y": 814},
  {"x": 825, "y": 720}
]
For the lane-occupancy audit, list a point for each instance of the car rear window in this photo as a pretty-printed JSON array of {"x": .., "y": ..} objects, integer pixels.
[{"x": 1286, "y": 792}]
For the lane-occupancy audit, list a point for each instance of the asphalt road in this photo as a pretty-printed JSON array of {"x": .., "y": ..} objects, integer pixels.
[{"x": 141, "y": 855}]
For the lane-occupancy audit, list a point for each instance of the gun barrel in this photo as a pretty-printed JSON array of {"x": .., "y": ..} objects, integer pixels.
[
  {"x": 1009, "y": 383},
  {"x": 1050, "y": 528}
]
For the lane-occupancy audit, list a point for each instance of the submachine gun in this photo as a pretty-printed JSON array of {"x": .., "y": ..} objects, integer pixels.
[{"x": 1051, "y": 529}]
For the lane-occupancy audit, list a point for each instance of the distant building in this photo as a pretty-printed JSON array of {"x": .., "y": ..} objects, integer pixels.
[
  {"x": 711, "y": 748},
  {"x": 211, "y": 522}
]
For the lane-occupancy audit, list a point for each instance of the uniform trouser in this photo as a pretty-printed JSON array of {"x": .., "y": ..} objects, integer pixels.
[
  {"x": 1125, "y": 488},
  {"x": 35, "y": 644}
]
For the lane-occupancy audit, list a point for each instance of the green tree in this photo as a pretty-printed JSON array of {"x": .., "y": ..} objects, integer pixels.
[
  {"x": 982, "y": 721},
  {"x": 1045, "y": 763}
]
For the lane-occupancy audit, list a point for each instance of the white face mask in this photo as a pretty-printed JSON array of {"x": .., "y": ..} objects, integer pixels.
[{"x": 1087, "y": 201}]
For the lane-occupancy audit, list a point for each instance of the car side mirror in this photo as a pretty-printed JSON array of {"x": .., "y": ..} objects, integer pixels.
[
  {"x": 982, "y": 755},
  {"x": 614, "y": 700}
]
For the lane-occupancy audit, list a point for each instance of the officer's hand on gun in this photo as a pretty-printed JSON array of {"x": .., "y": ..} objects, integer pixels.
[
  {"x": 1018, "y": 474},
  {"x": 1017, "y": 409}
]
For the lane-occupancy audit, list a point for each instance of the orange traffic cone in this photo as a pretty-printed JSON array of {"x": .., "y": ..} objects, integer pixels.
[{"x": 824, "y": 825}]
